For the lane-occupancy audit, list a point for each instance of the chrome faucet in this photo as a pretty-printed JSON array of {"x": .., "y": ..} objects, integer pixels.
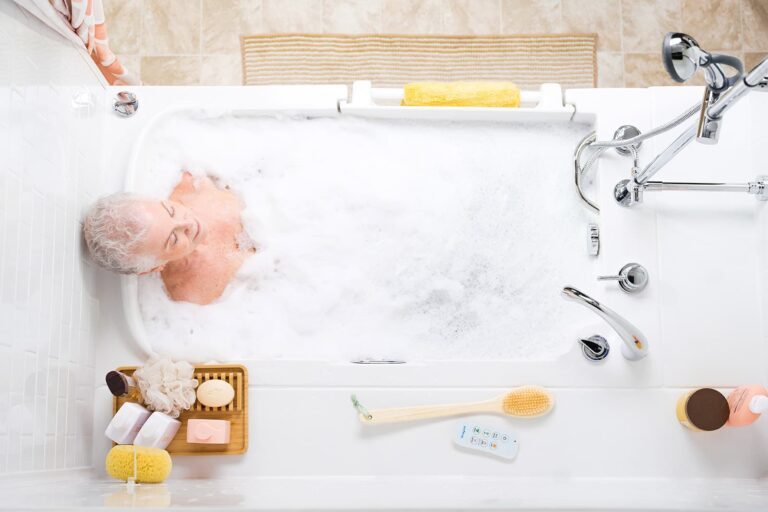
[
  {"x": 682, "y": 57},
  {"x": 635, "y": 346}
]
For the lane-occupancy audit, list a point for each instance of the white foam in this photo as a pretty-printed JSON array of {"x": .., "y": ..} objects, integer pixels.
[{"x": 415, "y": 240}]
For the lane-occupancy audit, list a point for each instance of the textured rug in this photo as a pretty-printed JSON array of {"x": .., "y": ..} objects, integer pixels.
[{"x": 393, "y": 60}]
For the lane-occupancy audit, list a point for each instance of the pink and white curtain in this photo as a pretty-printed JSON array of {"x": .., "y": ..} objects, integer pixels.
[{"x": 82, "y": 21}]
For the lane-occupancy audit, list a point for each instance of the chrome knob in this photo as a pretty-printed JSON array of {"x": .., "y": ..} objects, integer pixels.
[
  {"x": 126, "y": 104},
  {"x": 627, "y": 132},
  {"x": 627, "y": 193},
  {"x": 595, "y": 348},
  {"x": 632, "y": 278}
]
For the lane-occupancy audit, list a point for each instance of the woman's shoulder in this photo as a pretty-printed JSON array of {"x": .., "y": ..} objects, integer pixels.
[{"x": 201, "y": 278}]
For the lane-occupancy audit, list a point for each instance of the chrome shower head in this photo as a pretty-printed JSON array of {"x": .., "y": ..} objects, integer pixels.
[{"x": 682, "y": 57}]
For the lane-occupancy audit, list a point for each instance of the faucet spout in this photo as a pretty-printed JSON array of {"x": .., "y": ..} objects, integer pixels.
[{"x": 635, "y": 346}]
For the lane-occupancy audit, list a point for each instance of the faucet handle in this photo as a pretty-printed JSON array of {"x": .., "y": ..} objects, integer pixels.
[
  {"x": 595, "y": 348},
  {"x": 632, "y": 278}
]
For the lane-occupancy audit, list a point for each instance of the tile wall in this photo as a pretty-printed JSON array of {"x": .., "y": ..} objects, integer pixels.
[
  {"x": 48, "y": 309},
  {"x": 197, "y": 41}
]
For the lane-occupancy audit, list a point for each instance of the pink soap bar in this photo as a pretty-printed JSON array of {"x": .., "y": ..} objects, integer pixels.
[{"x": 208, "y": 431}]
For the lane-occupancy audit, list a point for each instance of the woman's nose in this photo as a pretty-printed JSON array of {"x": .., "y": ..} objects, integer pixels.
[{"x": 187, "y": 225}]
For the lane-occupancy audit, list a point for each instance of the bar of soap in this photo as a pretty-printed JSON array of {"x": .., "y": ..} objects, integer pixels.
[
  {"x": 215, "y": 393},
  {"x": 158, "y": 431},
  {"x": 125, "y": 425},
  {"x": 208, "y": 431}
]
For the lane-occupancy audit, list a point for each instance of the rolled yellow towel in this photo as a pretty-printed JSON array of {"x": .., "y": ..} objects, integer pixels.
[
  {"x": 147, "y": 465},
  {"x": 461, "y": 94}
]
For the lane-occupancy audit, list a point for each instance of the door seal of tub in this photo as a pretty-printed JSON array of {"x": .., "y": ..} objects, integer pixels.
[{"x": 377, "y": 361}]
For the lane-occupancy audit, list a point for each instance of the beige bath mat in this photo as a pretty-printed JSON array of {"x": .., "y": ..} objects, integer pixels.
[{"x": 393, "y": 60}]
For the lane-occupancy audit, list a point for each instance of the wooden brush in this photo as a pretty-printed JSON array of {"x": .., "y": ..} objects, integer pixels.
[{"x": 522, "y": 402}]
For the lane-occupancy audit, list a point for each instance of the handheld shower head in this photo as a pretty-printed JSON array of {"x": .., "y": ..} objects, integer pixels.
[{"x": 682, "y": 57}]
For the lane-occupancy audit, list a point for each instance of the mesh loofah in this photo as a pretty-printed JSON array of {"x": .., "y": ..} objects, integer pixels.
[{"x": 166, "y": 386}]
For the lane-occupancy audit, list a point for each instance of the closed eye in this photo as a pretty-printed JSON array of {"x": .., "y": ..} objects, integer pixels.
[
  {"x": 173, "y": 239},
  {"x": 170, "y": 209}
]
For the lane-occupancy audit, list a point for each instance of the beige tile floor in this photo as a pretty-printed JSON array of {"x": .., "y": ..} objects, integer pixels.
[{"x": 190, "y": 42}]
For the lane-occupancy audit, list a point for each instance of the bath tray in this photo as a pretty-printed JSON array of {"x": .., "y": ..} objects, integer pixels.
[{"x": 236, "y": 412}]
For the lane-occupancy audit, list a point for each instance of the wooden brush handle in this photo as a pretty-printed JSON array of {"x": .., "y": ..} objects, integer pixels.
[{"x": 402, "y": 414}]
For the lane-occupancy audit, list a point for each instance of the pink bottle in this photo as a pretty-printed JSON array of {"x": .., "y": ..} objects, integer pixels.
[{"x": 747, "y": 403}]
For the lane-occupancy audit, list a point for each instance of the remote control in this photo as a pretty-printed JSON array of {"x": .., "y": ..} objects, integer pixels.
[{"x": 486, "y": 440}]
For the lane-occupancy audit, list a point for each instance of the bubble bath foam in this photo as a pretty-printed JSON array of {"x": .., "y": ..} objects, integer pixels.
[{"x": 397, "y": 239}]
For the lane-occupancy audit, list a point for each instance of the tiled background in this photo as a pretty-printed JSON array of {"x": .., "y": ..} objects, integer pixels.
[
  {"x": 47, "y": 305},
  {"x": 197, "y": 41}
]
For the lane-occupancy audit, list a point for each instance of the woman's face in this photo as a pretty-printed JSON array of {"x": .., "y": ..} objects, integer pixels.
[{"x": 173, "y": 231}]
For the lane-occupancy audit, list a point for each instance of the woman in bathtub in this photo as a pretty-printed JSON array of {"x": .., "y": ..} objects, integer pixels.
[{"x": 191, "y": 238}]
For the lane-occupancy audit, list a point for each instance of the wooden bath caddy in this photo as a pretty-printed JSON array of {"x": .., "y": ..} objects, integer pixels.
[{"x": 236, "y": 412}]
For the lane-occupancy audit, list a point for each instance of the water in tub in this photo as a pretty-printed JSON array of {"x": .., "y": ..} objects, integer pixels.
[{"x": 405, "y": 239}]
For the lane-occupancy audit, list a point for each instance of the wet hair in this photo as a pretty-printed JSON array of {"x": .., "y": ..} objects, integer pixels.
[{"x": 113, "y": 229}]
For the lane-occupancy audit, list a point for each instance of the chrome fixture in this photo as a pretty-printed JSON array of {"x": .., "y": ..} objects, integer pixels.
[
  {"x": 126, "y": 104},
  {"x": 595, "y": 348},
  {"x": 579, "y": 171},
  {"x": 627, "y": 132},
  {"x": 635, "y": 346},
  {"x": 629, "y": 192},
  {"x": 682, "y": 57},
  {"x": 632, "y": 278},
  {"x": 623, "y": 133},
  {"x": 593, "y": 242}
]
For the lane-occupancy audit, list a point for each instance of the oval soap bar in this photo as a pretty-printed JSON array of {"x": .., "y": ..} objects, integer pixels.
[{"x": 215, "y": 393}]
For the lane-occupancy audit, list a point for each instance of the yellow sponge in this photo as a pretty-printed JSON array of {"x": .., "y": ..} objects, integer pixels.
[
  {"x": 461, "y": 94},
  {"x": 147, "y": 465}
]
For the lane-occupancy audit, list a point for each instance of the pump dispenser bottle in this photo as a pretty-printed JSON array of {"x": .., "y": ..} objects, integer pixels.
[{"x": 746, "y": 404}]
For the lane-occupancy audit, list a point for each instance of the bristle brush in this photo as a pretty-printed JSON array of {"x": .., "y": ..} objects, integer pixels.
[{"x": 522, "y": 402}]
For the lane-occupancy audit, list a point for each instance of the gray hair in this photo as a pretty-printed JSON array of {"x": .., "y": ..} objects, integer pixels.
[{"x": 113, "y": 229}]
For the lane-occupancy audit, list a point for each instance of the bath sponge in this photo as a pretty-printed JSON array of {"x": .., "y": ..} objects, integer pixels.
[
  {"x": 461, "y": 94},
  {"x": 147, "y": 465}
]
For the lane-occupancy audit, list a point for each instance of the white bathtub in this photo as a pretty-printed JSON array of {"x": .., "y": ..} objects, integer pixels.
[{"x": 612, "y": 441}]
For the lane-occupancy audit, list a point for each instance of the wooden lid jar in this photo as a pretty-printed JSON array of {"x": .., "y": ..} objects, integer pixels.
[{"x": 704, "y": 409}]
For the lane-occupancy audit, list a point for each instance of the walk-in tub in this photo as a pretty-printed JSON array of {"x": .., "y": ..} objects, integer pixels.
[{"x": 612, "y": 441}]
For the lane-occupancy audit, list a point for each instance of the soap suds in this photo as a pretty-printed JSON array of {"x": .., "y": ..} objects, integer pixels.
[{"x": 395, "y": 239}]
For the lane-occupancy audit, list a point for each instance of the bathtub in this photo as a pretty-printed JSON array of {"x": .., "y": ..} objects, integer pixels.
[
  {"x": 546, "y": 105},
  {"x": 612, "y": 441}
]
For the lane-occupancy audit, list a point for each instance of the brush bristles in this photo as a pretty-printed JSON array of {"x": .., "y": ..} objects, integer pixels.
[{"x": 527, "y": 401}]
